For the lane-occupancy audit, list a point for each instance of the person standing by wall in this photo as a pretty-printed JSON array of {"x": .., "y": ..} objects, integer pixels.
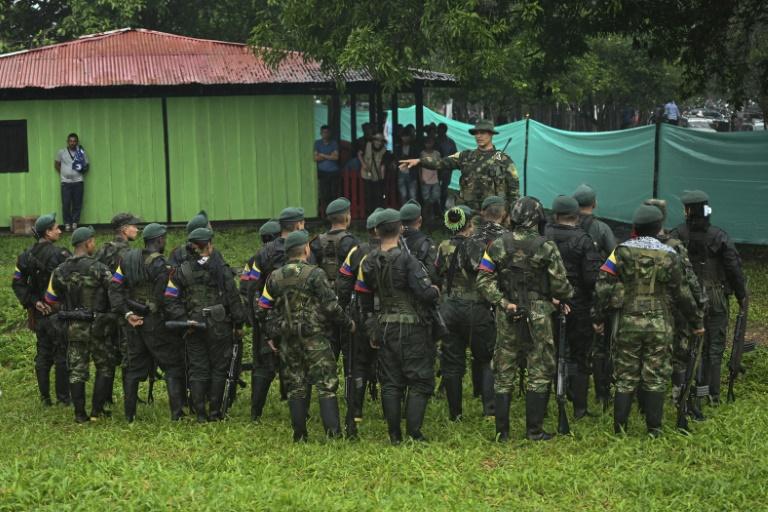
[
  {"x": 328, "y": 171},
  {"x": 72, "y": 163}
]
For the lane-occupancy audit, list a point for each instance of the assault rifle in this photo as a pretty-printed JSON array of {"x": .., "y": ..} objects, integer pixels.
[
  {"x": 683, "y": 404},
  {"x": 232, "y": 379},
  {"x": 439, "y": 328},
  {"x": 739, "y": 347},
  {"x": 137, "y": 307},
  {"x": 562, "y": 374},
  {"x": 77, "y": 315},
  {"x": 185, "y": 324}
]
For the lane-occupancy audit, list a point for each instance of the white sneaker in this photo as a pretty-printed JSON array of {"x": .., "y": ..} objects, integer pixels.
[
  {"x": 74, "y": 226},
  {"x": 67, "y": 227}
]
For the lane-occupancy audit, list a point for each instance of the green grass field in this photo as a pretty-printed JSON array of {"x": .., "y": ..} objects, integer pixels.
[{"x": 47, "y": 462}]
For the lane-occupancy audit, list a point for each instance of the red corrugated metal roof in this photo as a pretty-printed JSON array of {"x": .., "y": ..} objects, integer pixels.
[{"x": 142, "y": 57}]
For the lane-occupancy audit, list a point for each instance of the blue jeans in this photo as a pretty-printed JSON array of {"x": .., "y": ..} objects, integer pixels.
[
  {"x": 72, "y": 201},
  {"x": 430, "y": 193},
  {"x": 407, "y": 186}
]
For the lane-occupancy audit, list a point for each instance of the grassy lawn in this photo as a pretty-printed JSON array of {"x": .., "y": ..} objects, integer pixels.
[{"x": 50, "y": 463}]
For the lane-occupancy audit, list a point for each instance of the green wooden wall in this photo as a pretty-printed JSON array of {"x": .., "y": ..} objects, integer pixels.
[{"x": 239, "y": 157}]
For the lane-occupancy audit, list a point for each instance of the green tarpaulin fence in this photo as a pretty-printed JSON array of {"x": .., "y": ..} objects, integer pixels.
[{"x": 731, "y": 167}]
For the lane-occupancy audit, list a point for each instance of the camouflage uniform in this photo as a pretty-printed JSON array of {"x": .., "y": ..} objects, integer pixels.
[
  {"x": 110, "y": 255},
  {"x": 299, "y": 305},
  {"x": 643, "y": 279},
  {"x": 406, "y": 359},
  {"x": 193, "y": 288},
  {"x": 30, "y": 279},
  {"x": 483, "y": 173},
  {"x": 82, "y": 283},
  {"x": 525, "y": 269}
]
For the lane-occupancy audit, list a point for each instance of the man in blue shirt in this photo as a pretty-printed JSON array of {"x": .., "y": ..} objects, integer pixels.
[
  {"x": 328, "y": 173},
  {"x": 672, "y": 113}
]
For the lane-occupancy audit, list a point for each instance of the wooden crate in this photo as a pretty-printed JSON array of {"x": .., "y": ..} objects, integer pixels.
[{"x": 23, "y": 225}]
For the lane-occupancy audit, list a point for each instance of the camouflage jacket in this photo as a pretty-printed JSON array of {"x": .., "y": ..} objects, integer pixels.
[
  {"x": 298, "y": 300},
  {"x": 33, "y": 271},
  {"x": 112, "y": 252},
  {"x": 483, "y": 174},
  {"x": 457, "y": 267}
]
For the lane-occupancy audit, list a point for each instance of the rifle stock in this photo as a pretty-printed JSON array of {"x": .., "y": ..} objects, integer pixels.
[
  {"x": 737, "y": 351},
  {"x": 185, "y": 324},
  {"x": 231, "y": 379}
]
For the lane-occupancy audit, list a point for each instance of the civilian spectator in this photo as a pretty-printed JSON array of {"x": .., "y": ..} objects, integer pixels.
[
  {"x": 407, "y": 180},
  {"x": 374, "y": 160},
  {"x": 672, "y": 113},
  {"x": 447, "y": 147},
  {"x": 430, "y": 185},
  {"x": 71, "y": 163},
  {"x": 328, "y": 171}
]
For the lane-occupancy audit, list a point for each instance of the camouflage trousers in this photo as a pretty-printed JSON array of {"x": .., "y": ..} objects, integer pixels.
[
  {"x": 311, "y": 361},
  {"x": 642, "y": 353},
  {"x": 82, "y": 349},
  {"x": 525, "y": 343}
]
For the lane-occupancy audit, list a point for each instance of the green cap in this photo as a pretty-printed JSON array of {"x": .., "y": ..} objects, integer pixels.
[
  {"x": 271, "y": 227},
  {"x": 387, "y": 216},
  {"x": 484, "y": 125},
  {"x": 492, "y": 200},
  {"x": 647, "y": 214},
  {"x": 296, "y": 239},
  {"x": 410, "y": 211},
  {"x": 339, "y": 205},
  {"x": 200, "y": 235},
  {"x": 694, "y": 197},
  {"x": 82, "y": 234},
  {"x": 565, "y": 205},
  {"x": 124, "y": 219},
  {"x": 291, "y": 214},
  {"x": 44, "y": 222},
  {"x": 198, "y": 221},
  {"x": 153, "y": 230},
  {"x": 370, "y": 222},
  {"x": 585, "y": 195}
]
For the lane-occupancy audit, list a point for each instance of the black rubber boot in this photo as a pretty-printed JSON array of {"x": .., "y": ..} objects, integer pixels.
[
  {"x": 416, "y": 409},
  {"x": 109, "y": 398},
  {"x": 62, "y": 384},
  {"x": 215, "y": 398},
  {"x": 101, "y": 390},
  {"x": 176, "y": 392},
  {"x": 535, "y": 410},
  {"x": 714, "y": 384},
  {"x": 329, "y": 415},
  {"x": 502, "y": 401},
  {"x": 392, "y": 406},
  {"x": 259, "y": 392},
  {"x": 477, "y": 379},
  {"x": 453, "y": 397},
  {"x": 580, "y": 387},
  {"x": 308, "y": 399},
  {"x": 298, "y": 410},
  {"x": 359, "y": 399},
  {"x": 602, "y": 387},
  {"x": 197, "y": 395},
  {"x": 622, "y": 405},
  {"x": 489, "y": 402},
  {"x": 77, "y": 392},
  {"x": 654, "y": 411},
  {"x": 44, "y": 385},
  {"x": 130, "y": 398}
]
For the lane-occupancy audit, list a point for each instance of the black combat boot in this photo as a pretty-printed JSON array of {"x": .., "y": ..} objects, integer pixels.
[
  {"x": 489, "y": 403},
  {"x": 392, "y": 406},
  {"x": 714, "y": 384},
  {"x": 215, "y": 397},
  {"x": 197, "y": 392},
  {"x": 535, "y": 410},
  {"x": 130, "y": 397},
  {"x": 109, "y": 398},
  {"x": 329, "y": 415},
  {"x": 44, "y": 385},
  {"x": 580, "y": 387},
  {"x": 101, "y": 390},
  {"x": 176, "y": 392},
  {"x": 602, "y": 387},
  {"x": 502, "y": 401},
  {"x": 62, "y": 383},
  {"x": 77, "y": 392},
  {"x": 359, "y": 399},
  {"x": 453, "y": 397},
  {"x": 416, "y": 408},
  {"x": 259, "y": 393},
  {"x": 654, "y": 411},
  {"x": 622, "y": 405},
  {"x": 298, "y": 410}
]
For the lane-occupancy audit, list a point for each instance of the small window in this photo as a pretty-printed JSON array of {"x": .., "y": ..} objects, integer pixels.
[{"x": 14, "y": 156}]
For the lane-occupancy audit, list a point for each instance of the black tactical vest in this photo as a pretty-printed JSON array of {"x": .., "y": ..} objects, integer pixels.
[{"x": 330, "y": 246}]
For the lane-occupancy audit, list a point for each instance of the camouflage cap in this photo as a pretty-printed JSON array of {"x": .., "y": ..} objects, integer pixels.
[
  {"x": 200, "y": 235},
  {"x": 661, "y": 204},
  {"x": 694, "y": 197},
  {"x": 387, "y": 216},
  {"x": 647, "y": 214},
  {"x": 585, "y": 195},
  {"x": 153, "y": 230},
  {"x": 410, "y": 211},
  {"x": 370, "y": 222},
  {"x": 484, "y": 125},
  {"x": 296, "y": 239},
  {"x": 291, "y": 214},
  {"x": 565, "y": 205},
  {"x": 82, "y": 234},
  {"x": 492, "y": 200},
  {"x": 527, "y": 212},
  {"x": 198, "y": 221},
  {"x": 271, "y": 227},
  {"x": 339, "y": 205},
  {"x": 124, "y": 219},
  {"x": 43, "y": 222}
]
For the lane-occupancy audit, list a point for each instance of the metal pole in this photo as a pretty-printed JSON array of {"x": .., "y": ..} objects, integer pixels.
[{"x": 525, "y": 157}]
